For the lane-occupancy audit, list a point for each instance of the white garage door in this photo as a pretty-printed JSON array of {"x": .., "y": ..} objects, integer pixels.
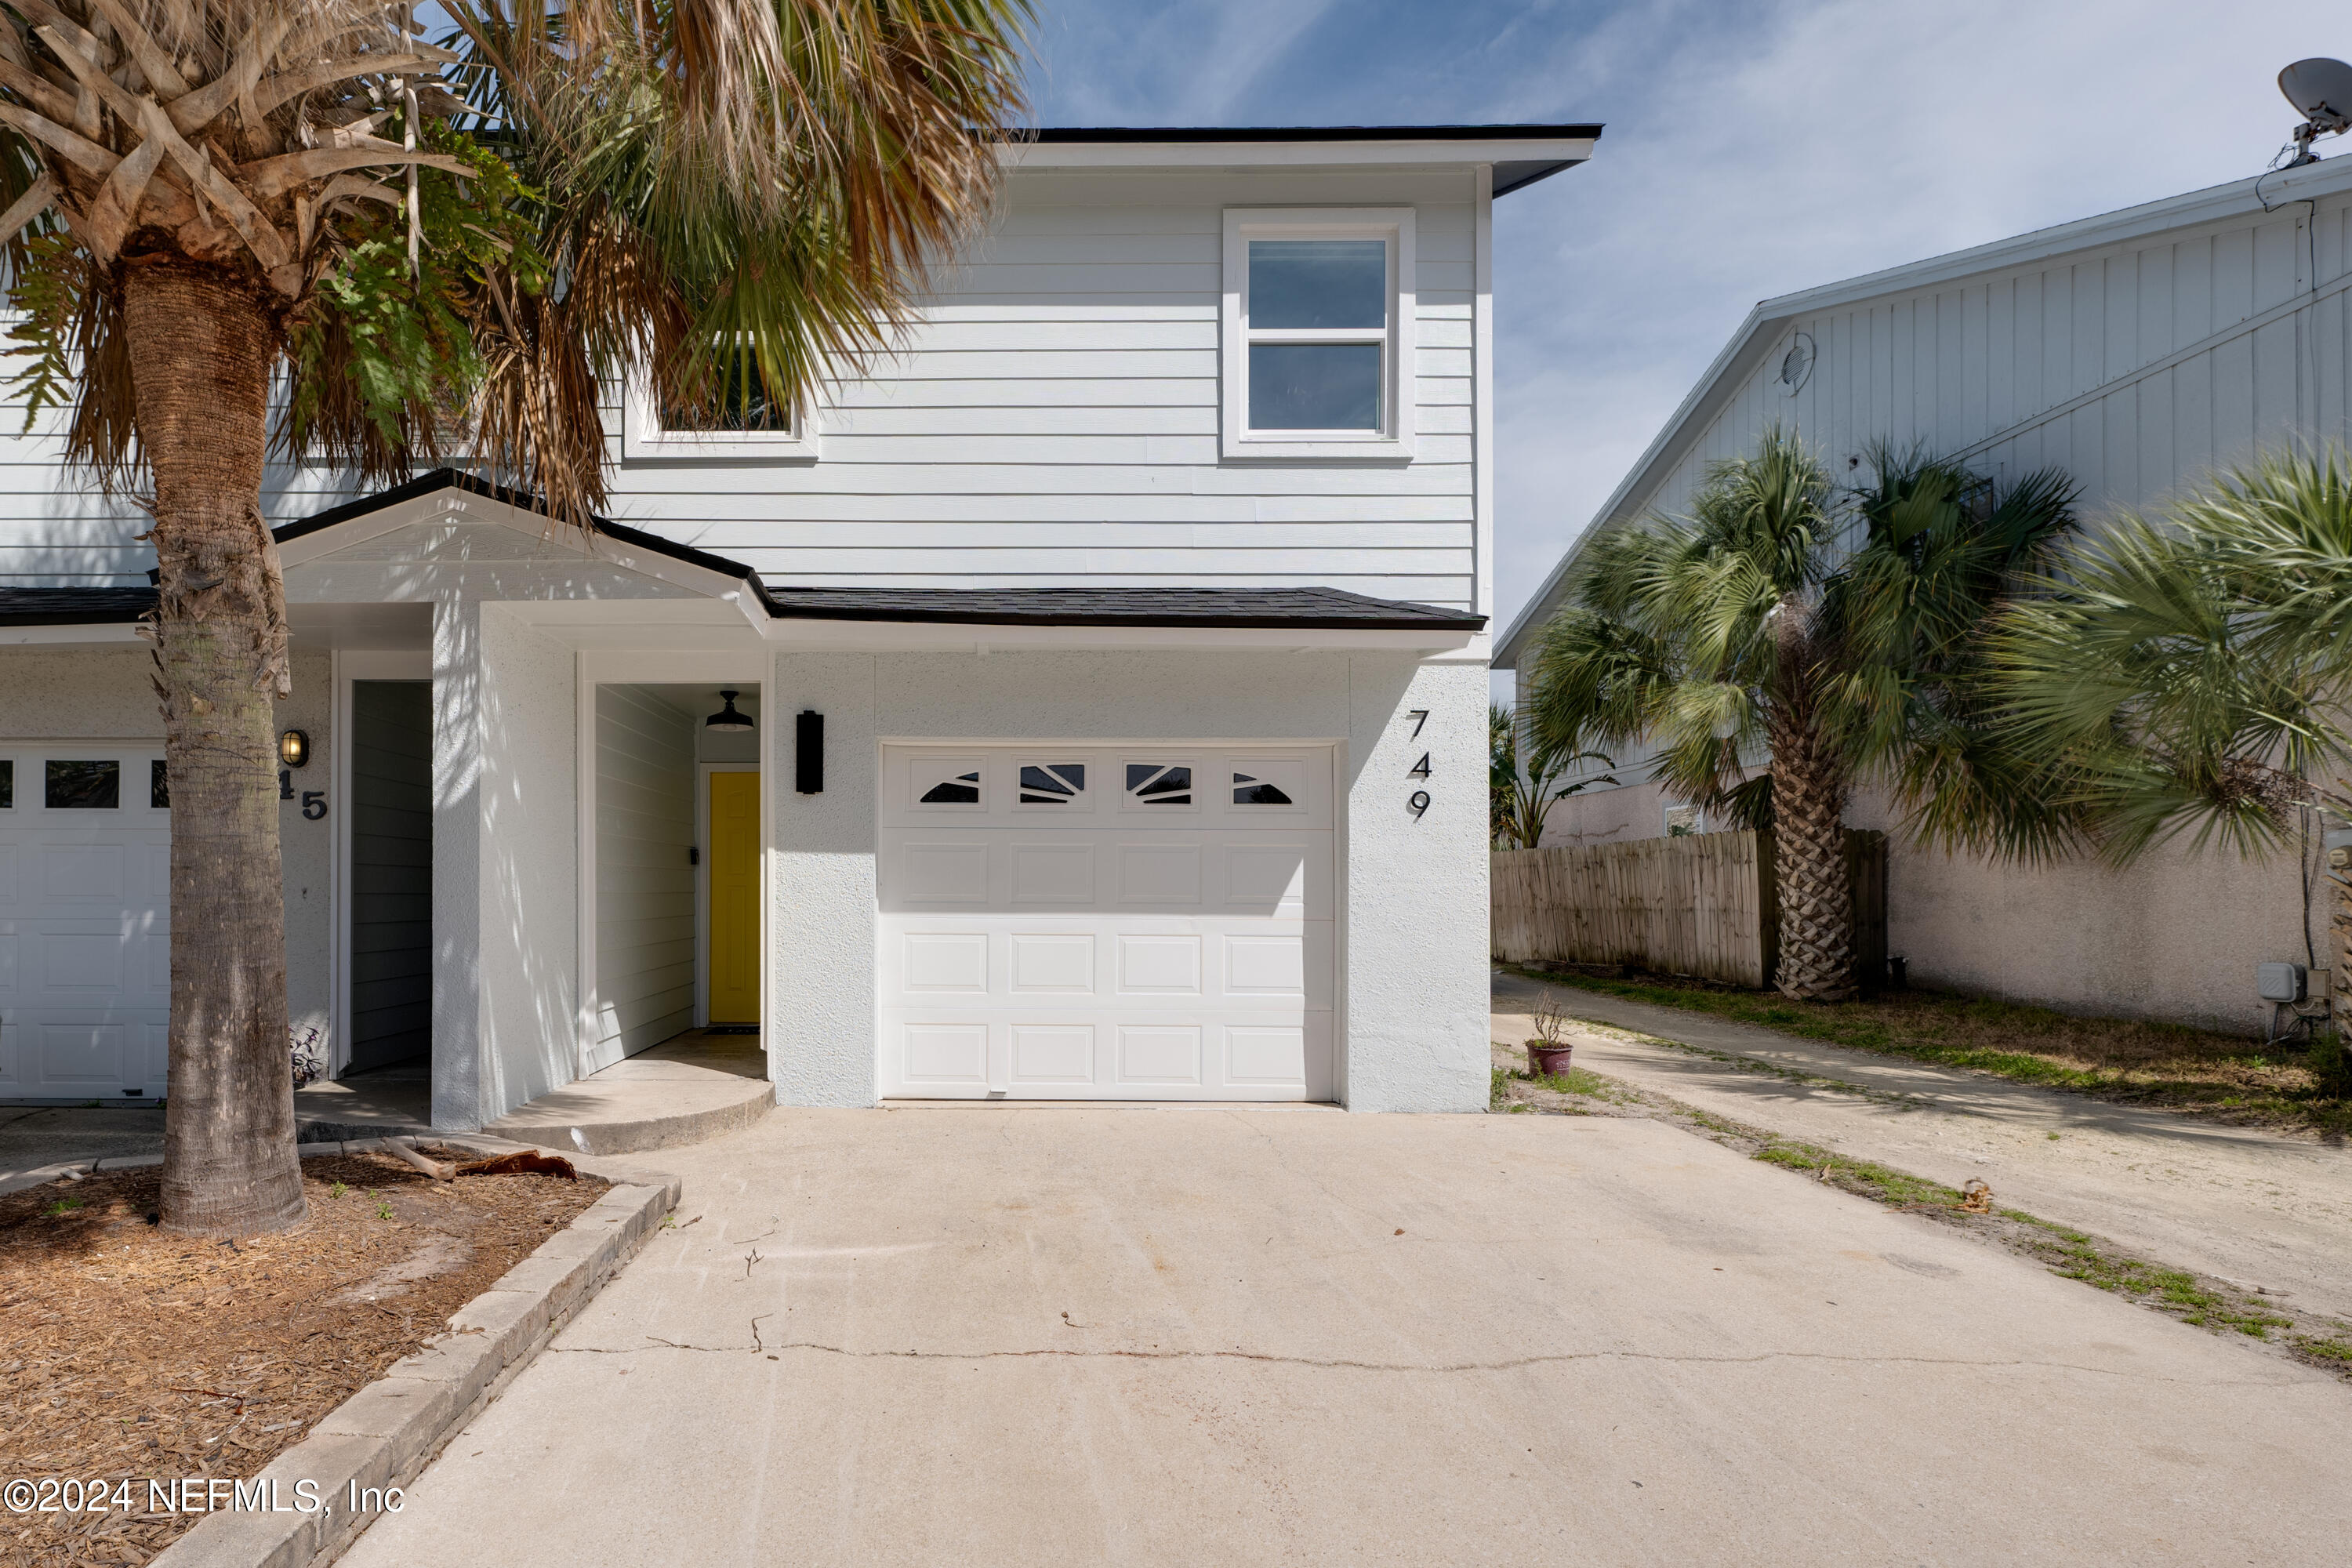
[
  {"x": 1092, "y": 923},
  {"x": 85, "y": 927}
]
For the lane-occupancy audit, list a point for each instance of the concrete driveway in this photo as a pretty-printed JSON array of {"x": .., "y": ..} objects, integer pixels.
[{"x": 1077, "y": 1336}]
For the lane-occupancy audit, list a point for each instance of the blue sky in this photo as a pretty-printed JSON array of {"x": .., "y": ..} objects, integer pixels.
[{"x": 1752, "y": 148}]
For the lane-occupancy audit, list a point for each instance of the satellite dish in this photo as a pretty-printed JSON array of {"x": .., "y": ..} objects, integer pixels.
[{"x": 2321, "y": 91}]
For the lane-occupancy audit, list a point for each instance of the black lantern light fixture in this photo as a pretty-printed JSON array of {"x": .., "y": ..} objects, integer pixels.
[
  {"x": 727, "y": 721},
  {"x": 294, "y": 748}
]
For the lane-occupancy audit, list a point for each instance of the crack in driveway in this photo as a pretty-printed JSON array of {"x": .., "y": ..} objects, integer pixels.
[{"x": 1511, "y": 1363}]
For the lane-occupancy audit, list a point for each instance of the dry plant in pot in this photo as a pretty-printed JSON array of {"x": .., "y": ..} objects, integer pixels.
[{"x": 1547, "y": 1052}]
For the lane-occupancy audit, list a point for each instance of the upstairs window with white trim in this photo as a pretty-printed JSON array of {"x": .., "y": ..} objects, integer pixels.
[
  {"x": 1317, "y": 332},
  {"x": 739, "y": 421}
]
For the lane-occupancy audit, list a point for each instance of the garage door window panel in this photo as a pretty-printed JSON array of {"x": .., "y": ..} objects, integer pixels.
[
  {"x": 1164, "y": 787},
  {"x": 949, "y": 783},
  {"x": 1052, "y": 786},
  {"x": 78, "y": 785}
]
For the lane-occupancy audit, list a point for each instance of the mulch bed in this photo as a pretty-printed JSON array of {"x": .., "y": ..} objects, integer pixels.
[{"x": 132, "y": 1355}]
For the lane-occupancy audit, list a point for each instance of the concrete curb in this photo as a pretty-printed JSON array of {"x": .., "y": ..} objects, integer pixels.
[{"x": 390, "y": 1430}]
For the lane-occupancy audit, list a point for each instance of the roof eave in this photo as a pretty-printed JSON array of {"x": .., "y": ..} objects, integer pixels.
[{"x": 1530, "y": 152}]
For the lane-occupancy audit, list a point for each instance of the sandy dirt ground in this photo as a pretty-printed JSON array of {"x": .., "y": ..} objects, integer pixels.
[{"x": 2264, "y": 1210}]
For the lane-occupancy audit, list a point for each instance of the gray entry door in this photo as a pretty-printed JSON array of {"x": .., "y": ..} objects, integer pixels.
[{"x": 391, "y": 872}]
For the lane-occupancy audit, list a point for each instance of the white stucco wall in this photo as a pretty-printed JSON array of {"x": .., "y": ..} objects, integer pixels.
[
  {"x": 1414, "y": 970},
  {"x": 2175, "y": 936},
  {"x": 1413, "y": 947},
  {"x": 505, "y": 864}
]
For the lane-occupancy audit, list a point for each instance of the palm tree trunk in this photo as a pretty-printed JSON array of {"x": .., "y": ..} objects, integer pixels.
[
  {"x": 202, "y": 345},
  {"x": 1808, "y": 855}
]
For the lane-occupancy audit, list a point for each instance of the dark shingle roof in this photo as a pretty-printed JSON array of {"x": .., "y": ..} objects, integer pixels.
[
  {"x": 1329, "y": 609},
  {"x": 1306, "y": 608},
  {"x": 73, "y": 606}
]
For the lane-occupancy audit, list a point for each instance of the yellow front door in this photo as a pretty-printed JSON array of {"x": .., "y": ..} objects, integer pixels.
[{"x": 735, "y": 898}]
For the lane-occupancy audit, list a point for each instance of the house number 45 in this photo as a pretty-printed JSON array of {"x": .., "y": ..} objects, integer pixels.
[
  {"x": 1418, "y": 801},
  {"x": 314, "y": 801}
]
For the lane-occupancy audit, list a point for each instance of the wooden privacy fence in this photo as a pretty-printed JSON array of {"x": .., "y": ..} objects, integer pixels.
[{"x": 1703, "y": 904}]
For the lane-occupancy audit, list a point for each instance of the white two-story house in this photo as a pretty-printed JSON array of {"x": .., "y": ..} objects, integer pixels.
[{"x": 1087, "y": 704}]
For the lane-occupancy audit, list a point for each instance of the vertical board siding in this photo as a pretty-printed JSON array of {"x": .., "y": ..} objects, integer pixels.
[
  {"x": 1051, "y": 419},
  {"x": 392, "y": 873},
  {"x": 645, "y": 878},
  {"x": 1983, "y": 365},
  {"x": 1702, "y": 904}
]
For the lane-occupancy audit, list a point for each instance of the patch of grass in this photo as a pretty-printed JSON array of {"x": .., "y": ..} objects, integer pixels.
[
  {"x": 2077, "y": 1257},
  {"x": 2113, "y": 1058},
  {"x": 62, "y": 1206},
  {"x": 1576, "y": 1080},
  {"x": 1865, "y": 1178},
  {"x": 2326, "y": 1350}
]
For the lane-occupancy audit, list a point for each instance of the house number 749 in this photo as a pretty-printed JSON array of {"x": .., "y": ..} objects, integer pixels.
[{"x": 1418, "y": 801}]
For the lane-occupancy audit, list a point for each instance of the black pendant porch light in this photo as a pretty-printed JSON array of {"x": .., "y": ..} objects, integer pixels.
[{"x": 727, "y": 721}]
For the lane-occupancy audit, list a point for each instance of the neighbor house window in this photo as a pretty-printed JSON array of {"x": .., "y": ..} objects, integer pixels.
[
  {"x": 737, "y": 419},
  {"x": 1318, "y": 307}
]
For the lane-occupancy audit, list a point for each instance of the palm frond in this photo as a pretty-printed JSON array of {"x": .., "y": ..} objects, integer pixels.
[{"x": 2190, "y": 669}]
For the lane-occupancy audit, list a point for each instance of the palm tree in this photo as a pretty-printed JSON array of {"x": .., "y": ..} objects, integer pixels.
[
  {"x": 1839, "y": 634},
  {"x": 1943, "y": 550},
  {"x": 1520, "y": 796},
  {"x": 432, "y": 249},
  {"x": 2195, "y": 671}
]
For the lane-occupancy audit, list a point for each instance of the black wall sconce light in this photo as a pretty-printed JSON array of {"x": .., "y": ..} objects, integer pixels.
[
  {"x": 294, "y": 748},
  {"x": 808, "y": 752}
]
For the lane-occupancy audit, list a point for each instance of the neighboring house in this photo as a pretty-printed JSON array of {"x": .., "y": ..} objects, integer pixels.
[
  {"x": 2136, "y": 351},
  {"x": 1088, "y": 704}
]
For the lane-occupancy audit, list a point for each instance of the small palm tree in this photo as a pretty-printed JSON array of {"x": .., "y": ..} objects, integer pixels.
[
  {"x": 1836, "y": 634},
  {"x": 2194, "y": 670},
  {"x": 431, "y": 248},
  {"x": 1943, "y": 550},
  {"x": 1519, "y": 796}
]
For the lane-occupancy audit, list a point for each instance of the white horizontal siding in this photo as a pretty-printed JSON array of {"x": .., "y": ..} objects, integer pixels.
[
  {"x": 1051, "y": 420},
  {"x": 1988, "y": 365},
  {"x": 645, "y": 880}
]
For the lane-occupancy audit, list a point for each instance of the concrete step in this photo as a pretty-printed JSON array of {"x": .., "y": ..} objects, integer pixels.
[{"x": 685, "y": 1090}]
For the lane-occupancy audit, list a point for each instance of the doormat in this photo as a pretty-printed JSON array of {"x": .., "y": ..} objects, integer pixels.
[{"x": 733, "y": 1029}]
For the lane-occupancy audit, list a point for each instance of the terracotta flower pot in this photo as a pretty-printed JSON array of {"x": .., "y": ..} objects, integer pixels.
[{"x": 1547, "y": 1060}]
